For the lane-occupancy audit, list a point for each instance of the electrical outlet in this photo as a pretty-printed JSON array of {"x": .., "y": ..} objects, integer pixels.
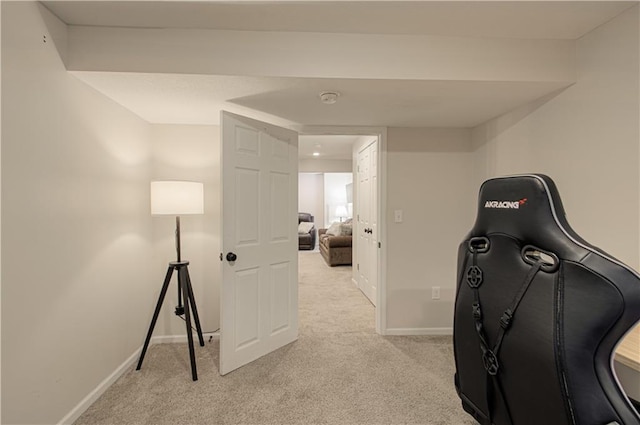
[{"x": 435, "y": 292}]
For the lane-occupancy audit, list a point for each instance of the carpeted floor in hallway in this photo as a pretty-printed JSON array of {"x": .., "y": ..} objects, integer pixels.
[{"x": 338, "y": 372}]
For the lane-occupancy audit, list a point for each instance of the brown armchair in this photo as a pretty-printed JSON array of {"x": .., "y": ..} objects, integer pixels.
[{"x": 306, "y": 240}]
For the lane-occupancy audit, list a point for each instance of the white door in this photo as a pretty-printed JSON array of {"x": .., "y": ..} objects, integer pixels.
[
  {"x": 259, "y": 288},
  {"x": 367, "y": 252},
  {"x": 373, "y": 224},
  {"x": 364, "y": 185}
]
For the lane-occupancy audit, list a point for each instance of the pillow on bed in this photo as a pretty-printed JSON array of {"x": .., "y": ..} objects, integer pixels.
[{"x": 304, "y": 227}]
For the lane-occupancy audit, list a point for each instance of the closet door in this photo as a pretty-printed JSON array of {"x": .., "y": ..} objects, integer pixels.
[
  {"x": 373, "y": 220},
  {"x": 367, "y": 221}
]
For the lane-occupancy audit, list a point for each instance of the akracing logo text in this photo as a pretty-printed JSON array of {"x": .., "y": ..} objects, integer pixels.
[{"x": 505, "y": 204}]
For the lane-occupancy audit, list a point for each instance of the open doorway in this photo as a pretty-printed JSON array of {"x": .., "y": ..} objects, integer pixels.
[
  {"x": 338, "y": 185},
  {"x": 325, "y": 198},
  {"x": 325, "y": 167}
]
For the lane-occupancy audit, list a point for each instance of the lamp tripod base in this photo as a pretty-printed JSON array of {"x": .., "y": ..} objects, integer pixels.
[{"x": 186, "y": 292}]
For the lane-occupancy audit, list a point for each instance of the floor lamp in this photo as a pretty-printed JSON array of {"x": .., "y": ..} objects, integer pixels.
[{"x": 177, "y": 198}]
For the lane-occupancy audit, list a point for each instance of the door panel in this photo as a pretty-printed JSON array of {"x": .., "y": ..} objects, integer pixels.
[
  {"x": 280, "y": 297},
  {"x": 259, "y": 289},
  {"x": 246, "y": 208},
  {"x": 280, "y": 188},
  {"x": 246, "y": 291}
]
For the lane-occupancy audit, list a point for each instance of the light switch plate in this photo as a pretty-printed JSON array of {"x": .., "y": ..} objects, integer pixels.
[
  {"x": 435, "y": 292},
  {"x": 397, "y": 216}
]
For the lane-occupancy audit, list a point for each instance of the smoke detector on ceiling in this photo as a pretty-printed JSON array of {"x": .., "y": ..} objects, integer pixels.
[{"x": 329, "y": 97}]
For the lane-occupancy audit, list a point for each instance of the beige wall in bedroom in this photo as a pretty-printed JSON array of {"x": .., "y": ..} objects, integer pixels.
[
  {"x": 586, "y": 138},
  {"x": 76, "y": 237}
]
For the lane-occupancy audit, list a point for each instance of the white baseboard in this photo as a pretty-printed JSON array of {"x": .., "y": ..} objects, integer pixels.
[
  {"x": 418, "y": 331},
  {"x": 81, "y": 407},
  {"x": 172, "y": 339},
  {"x": 99, "y": 390}
]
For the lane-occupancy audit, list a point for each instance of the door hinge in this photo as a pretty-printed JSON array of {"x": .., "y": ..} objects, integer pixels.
[
  {"x": 358, "y": 266},
  {"x": 379, "y": 245}
]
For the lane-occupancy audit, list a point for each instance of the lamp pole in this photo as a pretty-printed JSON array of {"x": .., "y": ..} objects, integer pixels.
[{"x": 178, "y": 238}]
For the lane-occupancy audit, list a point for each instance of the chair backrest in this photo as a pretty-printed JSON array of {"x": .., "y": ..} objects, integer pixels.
[
  {"x": 302, "y": 216},
  {"x": 539, "y": 313}
]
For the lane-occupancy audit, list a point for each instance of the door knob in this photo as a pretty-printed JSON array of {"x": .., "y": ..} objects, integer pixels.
[{"x": 231, "y": 257}]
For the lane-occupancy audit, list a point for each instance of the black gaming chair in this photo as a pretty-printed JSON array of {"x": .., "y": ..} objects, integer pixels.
[{"x": 538, "y": 314}]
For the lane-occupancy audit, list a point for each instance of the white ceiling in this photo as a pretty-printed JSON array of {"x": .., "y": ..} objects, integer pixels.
[
  {"x": 327, "y": 146},
  {"x": 197, "y": 99},
  {"x": 516, "y": 19}
]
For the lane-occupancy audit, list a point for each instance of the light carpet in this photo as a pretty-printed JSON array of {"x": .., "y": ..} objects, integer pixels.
[{"x": 338, "y": 372}]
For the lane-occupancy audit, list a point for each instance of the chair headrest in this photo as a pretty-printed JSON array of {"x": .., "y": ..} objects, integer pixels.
[{"x": 527, "y": 207}]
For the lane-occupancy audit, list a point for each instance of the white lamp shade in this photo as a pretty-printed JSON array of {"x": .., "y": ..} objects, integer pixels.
[
  {"x": 341, "y": 211},
  {"x": 177, "y": 198}
]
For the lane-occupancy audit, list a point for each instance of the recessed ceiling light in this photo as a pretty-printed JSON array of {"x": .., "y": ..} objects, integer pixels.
[
  {"x": 329, "y": 97},
  {"x": 316, "y": 154}
]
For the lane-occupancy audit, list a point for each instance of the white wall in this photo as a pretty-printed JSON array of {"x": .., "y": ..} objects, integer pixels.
[
  {"x": 429, "y": 178},
  {"x": 304, "y": 54},
  {"x": 188, "y": 152},
  {"x": 586, "y": 138},
  {"x": 335, "y": 194},
  {"x": 76, "y": 237},
  {"x": 311, "y": 196}
]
